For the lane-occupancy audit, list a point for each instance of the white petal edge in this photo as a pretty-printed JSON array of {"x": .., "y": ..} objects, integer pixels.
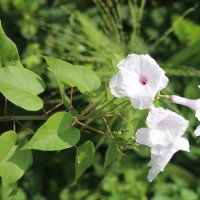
[
  {"x": 143, "y": 102},
  {"x": 116, "y": 86},
  {"x": 197, "y": 131}
]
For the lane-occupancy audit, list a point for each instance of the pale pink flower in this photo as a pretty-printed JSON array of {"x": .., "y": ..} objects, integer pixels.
[
  {"x": 139, "y": 78},
  {"x": 164, "y": 137},
  {"x": 193, "y": 104}
]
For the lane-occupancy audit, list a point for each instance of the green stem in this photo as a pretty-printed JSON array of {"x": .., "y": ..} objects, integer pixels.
[
  {"x": 89, "y": 127},
  {"x": 105, "y": 105},
  {"x": 71, "y": 99},
  {"x": 163, "y": 96},
  {"x": 97, "y": 110},
  {"x": 22, "y": 118},
  {"x": 54, "y": 108},
  {"x": 5, "y": 106},
  {"x": 24, "y": 127}
]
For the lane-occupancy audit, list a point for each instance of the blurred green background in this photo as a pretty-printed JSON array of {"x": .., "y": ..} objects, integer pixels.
[{"x": 93, "y": 33}]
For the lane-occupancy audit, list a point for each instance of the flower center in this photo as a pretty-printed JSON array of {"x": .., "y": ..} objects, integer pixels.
[{"x": 143, "y": 80}]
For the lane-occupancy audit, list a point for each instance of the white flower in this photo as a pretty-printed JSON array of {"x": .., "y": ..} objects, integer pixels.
[
  {"x": 197, "y": 131},
  {"x": 139, "y": 78},
  {"x": 193, "y": 104},
  {"x": 164, "y": 137}
]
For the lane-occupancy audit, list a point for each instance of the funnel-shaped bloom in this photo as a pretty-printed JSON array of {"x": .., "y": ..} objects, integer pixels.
[
  {"x": 139, "y": 78},
  {"x": 193, "y": 104},
  {"x": 164, "y": 137}
]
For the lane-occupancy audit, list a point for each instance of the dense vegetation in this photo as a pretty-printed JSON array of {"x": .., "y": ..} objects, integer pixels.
[{"x": 98, "y": 34}]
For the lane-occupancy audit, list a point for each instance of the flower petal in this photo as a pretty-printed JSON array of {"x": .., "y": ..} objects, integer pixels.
[
  {"x": 182, "y": 144},
  {"x": 164, "y": 119},
  {"x": 163, "y": 82},
  {"x": 143, "y": 102},
  {"x": 154, "y": 139},
  {"x": 116, "y": 86},
  {"x": 130, "y": 65},
  {"x": 197, "y": 114},
  {"x": 197, "y": 131},
  {"x": 163, "y": 136},
  {"x": 139, "y": 78},
  {"x": 150, "y": 69},
  {"x": 159, "y": 162}
]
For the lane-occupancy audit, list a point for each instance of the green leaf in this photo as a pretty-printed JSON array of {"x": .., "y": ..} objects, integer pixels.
[
  {"x": 56, "y": 133},
  {"x": 13, "y": 162},
  {"x": 65, "y": 99},
  {"x": 137, "y": 123},
  {"x": 19, "y": 195},
  {"x": 14, "y": 168},
  {"x": 6, "y": 191},
  {"x": 111, "y": 154},
  {"x": 21, "y": 86},
  {"x": 84, "y": 158},
  {"x": 7, "y": 145},
  {"x": 186, "y": 30},
  {"x": 8, "y": 51},
  {"x": 84, "y": 78}
]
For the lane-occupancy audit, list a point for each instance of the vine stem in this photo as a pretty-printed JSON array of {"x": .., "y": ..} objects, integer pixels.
[
  {"x": 71, "y": 99},
  {"x": 54, "y": 108},
  {"x": 25, "y": 127},
  {"x": 99, "y": 108},
  {"x": 45, "y": 116},
  {"x": 14, "y": 126},
  {"x": 22, "y": 118},
  {"x": 164, "y": 96},
  {"x": 89, "y": 127},
  {"x": 5, "y": 106}
]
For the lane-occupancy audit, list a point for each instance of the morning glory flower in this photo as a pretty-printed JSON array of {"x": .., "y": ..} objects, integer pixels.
[
  {"x": 164, "y": 137},
  {"x": 139, "y": 78},
  {"x": 193, "y": 104}
]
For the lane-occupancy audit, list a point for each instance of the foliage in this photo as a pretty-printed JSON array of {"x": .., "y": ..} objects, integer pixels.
[{"x": 63, "y": 136}]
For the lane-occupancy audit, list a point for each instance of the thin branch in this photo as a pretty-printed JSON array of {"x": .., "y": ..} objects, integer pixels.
[
  {"x": 90, "y": 104},
  {"x": 23, "y": 118},
  {"x": 95, "y": 111},
  {"x": 71, "y": 99},
  {"x": 89, "y": 127},
  {"x": 45, "y": 112},
  {"x": 5, "y": 106},
  {"x": 14, "y": 126},
  {"x": 100, "y": 142},
  {"x": 54, "y": 108},
  {"x": 106, "y": 125},
  {"x": 25, "y": 127}
]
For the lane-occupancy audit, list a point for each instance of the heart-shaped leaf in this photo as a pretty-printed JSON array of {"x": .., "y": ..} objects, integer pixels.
[
  {"x": 21, "y": 86},
  {"x": 84, "y": 78},
  {"x": 7, "y": 145},
  {"x": 13, "y": 162},
  {"x": 14, "y": 168},
  {"x": 56, "y": 133},
  {"x": 8, "y": 51},
  {"x": 84, "y": 158},
  {"x": 111, "y": 154}
]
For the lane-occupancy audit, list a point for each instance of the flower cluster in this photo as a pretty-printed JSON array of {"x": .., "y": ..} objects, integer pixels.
[
  {"x": 140, "y": 79},
  {"x": 164, "y": 137}
]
